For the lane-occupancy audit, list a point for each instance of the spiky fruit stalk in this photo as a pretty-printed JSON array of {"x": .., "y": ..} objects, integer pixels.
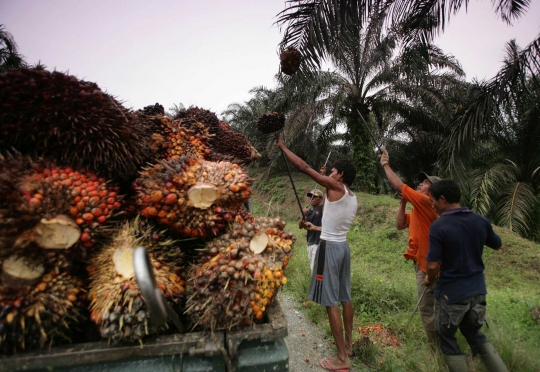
[
  {"x": 271, "y": 122},
  {"x": 242, "y": 276},
  {"x": 52, "y": 206},
  {"x": 117, "y": 306},
  {"x": 40, "y": 302},
  {"x": 70, "y": 120},
  {"x": 192, "y": 196},
  {"x": 290, "y": 60}
]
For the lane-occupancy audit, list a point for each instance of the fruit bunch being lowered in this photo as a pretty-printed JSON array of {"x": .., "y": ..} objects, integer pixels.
[
  {"x": 117, "y": 306},
  {"x": 271, "y": 122},
  {"x": 55, "y": 207},
  {"x": 290, "y": 60},
  {"x": 234, "y": 287},
  {"x": 194, "y": 197},
  {"x": 40, "y": 301}
]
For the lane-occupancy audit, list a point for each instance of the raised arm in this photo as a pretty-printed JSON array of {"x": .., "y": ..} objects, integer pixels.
[
  {"x": 401, "y": 219},
  {"x": 394, "y": 180},
  {"x": 302, "y": 166}
]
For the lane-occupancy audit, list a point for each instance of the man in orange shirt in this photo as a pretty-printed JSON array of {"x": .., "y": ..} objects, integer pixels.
[{"x": 418, "y": 221}]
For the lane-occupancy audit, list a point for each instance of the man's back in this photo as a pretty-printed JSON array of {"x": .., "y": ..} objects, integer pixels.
[{"x": 457, "y": 240}]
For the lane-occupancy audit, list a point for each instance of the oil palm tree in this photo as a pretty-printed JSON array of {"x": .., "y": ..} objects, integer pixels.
[
  {"x": 302, "y": 101},
  {"x": 311, "y": 26},
  {"x": 494, "y": 147},
  {"x": 378, "y": 76},
  {"x": 9, "y": 54}
]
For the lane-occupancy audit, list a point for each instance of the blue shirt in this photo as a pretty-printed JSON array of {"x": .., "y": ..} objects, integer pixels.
[
  {"x": 457, "y": 240},
  {"x": 314, "y": 216}
]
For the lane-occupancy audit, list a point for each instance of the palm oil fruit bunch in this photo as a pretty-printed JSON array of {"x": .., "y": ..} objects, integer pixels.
[
  {"x": 117, "y": 306},
  {"x": 154, "y": 110},
  {"x": 206, "y": 117},
  {"x": 185, "y": 142},
  {"x": 170, "y": 139},
  {"x": 229, "y": 145},
  {"x": 72, "y": 121},
  {"x": 55, "y": 207},
  {"x": 194, "y": 197},
  {"x": 40, "y": 301},
  {"x": 234, "y": 287},
  {"x": 290, "y": 60},
  {"x": 271, "y": 122},
  {"x": 225, "y": 143}
]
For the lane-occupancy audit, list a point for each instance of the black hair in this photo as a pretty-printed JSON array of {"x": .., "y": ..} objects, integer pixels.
[
  {"x": 348, "y": 169},
  {"x": 447, "y": 188}
]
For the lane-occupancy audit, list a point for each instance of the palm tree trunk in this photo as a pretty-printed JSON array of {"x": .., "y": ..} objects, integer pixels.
[{"x": 362, "y": 153}]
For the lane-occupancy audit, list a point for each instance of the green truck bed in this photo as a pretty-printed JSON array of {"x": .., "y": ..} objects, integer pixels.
[{"x": 260, "y": 347}]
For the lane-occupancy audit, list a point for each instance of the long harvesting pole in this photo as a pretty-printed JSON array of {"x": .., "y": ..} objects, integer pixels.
[
  {"x": 317, "y": 185},
  {"x": 294, "y": 187},
  {"x": 369, "y": 131}
]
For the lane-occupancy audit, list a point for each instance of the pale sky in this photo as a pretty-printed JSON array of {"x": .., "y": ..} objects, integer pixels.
[{"x": 207, "y": 53}]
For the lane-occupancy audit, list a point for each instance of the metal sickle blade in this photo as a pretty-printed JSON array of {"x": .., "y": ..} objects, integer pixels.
[
  {"x": 144, "y": 274},
  {"x": 157, "y": 304}
]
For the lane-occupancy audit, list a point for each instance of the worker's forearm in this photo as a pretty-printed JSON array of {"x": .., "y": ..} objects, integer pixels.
[
  {"x": 394, "y": 180},
  {"x": 432, "y": 272},
  {"x": 401, "y": 219},
  {"x": 296, "y": 161}
]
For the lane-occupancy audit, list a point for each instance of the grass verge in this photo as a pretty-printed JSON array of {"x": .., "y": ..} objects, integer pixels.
[{"x": 383, "y": 285}]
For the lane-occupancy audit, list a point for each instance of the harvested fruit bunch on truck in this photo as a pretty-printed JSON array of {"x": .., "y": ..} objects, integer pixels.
[
  {"x": 117, "y": 306},
  {"x": 234, "y": 287},
  {"x": 194, "y": 197},
  {"x": 84, "y": 183},
  {"x": 69, "y": 120}
]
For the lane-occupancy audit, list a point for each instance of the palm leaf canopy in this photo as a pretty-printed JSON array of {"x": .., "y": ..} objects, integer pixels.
[{"x": 314, "y": 26}]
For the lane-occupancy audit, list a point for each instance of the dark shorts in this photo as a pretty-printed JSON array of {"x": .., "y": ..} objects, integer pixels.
[{"x": 331, "y": 279}]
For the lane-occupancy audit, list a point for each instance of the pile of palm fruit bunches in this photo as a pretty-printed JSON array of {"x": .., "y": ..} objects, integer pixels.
[{"x": 83, "y": 181}]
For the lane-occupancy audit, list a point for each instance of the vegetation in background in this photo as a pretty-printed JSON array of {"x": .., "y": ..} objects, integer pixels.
[
  {"x": 494, "y": 147},
  {"x": 389, "y": 80},
  {"x": 384, "y": 292},
  {"x": 9, "y": 53}
]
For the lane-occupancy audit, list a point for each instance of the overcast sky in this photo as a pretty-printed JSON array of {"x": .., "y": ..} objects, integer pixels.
[{"x": 207, "y": 53}]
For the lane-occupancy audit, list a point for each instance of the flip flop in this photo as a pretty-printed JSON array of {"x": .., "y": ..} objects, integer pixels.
[{"x": 327, "y": 365}]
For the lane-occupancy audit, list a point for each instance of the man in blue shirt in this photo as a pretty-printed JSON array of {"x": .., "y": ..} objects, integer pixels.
[
  {"x": 312, "y": 223},
  {"x": 456, "y": 244}
]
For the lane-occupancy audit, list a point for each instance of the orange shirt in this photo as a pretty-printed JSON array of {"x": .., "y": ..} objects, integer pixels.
[{"x": 418, "y": 221}]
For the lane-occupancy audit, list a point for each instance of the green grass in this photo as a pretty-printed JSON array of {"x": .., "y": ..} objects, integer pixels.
[{"x": 384, "y": 291}]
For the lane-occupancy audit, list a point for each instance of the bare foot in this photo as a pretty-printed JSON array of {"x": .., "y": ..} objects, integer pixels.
[{"x": 334, "y": 363}]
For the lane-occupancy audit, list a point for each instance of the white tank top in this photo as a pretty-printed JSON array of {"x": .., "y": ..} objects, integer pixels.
[{"x": 338, "y": 217}]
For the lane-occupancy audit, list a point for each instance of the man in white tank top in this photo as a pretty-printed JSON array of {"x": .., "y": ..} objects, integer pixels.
[{"x": 331, "y": 277}]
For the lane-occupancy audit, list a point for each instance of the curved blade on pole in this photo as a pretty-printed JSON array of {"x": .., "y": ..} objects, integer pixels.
[{"x": 157, "y": 305}]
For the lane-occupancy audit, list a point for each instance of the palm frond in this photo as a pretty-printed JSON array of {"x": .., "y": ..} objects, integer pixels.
[
  {"x": 422, "y": 20},
  {"x": 516, "y": 206}
]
